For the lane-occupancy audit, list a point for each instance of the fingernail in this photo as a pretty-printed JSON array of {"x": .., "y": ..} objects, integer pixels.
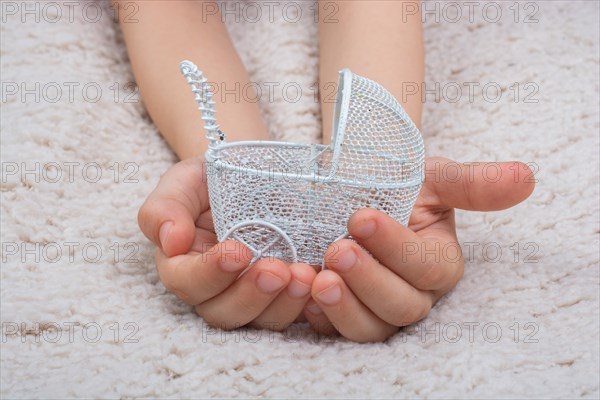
[
  {"x": 344, "y": 261},
  {"x": 268, "y": 282},
  {"x": 231, "y": 264},
  {"x": 163, "y": 233},
  {"x": 331, "y": 295},
  {"x": 365, "y": 229},
  {"x": 298, "y": 289},
  {"x": 314, "y": 309}
]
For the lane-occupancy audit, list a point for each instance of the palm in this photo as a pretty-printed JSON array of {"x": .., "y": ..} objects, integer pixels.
[{"x": 430, "y": 218}]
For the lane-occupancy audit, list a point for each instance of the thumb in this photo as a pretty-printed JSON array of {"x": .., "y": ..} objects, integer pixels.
[
  {"x": 479, "y": 186},
  {"x": 168, "y": 215}
]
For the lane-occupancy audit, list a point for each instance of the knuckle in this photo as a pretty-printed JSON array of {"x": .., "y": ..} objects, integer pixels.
[
  {"x": 171, "y": 281},
  {"x": 377, "y": 335},
  {"x": 174, "y": 288},
  {"x": 169, "y": 285},
  {"x": 407, "y": 313},
  {"x": 144, "y": 214},
  {"x": 211, "y": 287},
  {"x": 216, "y": 319},
  {"x": 184, "y": 297},
  {"x": 405, "y": 317},
  {"x": 466, "y": 189},
  {"x": 434, "y": 277},
  {"x": 362, "y": 331},
  {"x": 209, "y": 317},
  {"x": 246, "y": 307},
  {"x": 452, "y": 274},
  {"x": 460, "y": 271},
  {"x": 370, "y": 287},
  {"x": 167, "y": 279}
]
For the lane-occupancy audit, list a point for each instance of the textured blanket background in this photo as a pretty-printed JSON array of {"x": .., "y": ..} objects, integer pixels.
[{"x": 84, "y": 313}]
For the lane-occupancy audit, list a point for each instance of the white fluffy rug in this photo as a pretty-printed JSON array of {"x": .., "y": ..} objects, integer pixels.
[{"x": 90, "y": 318}]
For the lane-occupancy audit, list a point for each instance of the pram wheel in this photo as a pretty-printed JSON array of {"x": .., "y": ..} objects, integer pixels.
[{"x": 264, "y": 239}]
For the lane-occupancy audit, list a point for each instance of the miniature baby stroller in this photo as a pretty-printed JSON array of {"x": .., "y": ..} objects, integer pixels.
[{"x": 291, "y": 201}]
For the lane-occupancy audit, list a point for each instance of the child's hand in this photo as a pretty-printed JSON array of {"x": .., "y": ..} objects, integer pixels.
[
  {"x": 177, "y": 218},
  {"x": 367, "y": 297}
]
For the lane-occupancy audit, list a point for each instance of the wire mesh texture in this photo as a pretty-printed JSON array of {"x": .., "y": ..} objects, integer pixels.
[{"x": 291, "y": 201}]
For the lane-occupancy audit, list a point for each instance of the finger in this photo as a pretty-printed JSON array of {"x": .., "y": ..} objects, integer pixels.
[
  {"x": 349, "y": 316},
  {"x": 478, "y": 186},
  {"x": 167, "y": 216},
  {"x": 195, "y": 278},
  {"x": 284, "y": 310},
  {"x": 427, "y": 263},
  {"x": 385, "y": 293},
  {"x": 249, "y": 296}
]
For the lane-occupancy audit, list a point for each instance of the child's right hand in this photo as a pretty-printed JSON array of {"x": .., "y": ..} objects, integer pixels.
[{"x": 191, "y": 263}]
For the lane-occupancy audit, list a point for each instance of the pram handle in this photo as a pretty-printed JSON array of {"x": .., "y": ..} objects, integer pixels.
[{"x": 203, "y": 96}]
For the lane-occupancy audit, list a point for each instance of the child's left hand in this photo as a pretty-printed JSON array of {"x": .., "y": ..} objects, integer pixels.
[{"x": 367, "y": 297}]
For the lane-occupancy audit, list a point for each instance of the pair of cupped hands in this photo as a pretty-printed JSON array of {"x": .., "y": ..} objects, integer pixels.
[{"x": 388, "y": 277}]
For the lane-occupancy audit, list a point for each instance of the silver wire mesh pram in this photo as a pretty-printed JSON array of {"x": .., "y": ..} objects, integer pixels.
[{"x": 291, "y": 201}]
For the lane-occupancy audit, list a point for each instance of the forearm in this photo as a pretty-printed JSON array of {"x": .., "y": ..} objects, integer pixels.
[
  {"x": 380, "y": 40},
  {"x": 167, "y": 32}
]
